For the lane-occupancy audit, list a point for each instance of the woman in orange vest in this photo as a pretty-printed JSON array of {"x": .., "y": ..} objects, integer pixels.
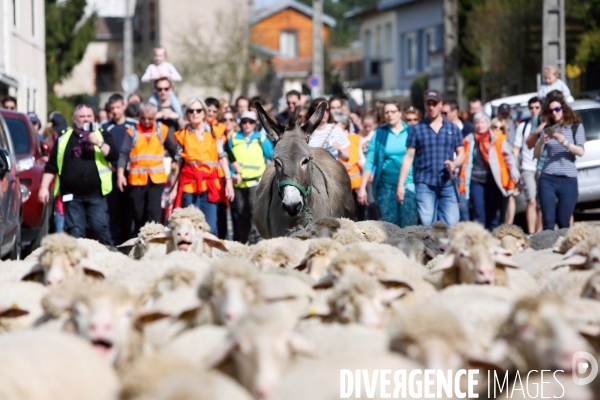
[
  {"x": 202, "y": 163},
  {"x": 354, "y": 163},
  {"x": 489, "y": 174}
]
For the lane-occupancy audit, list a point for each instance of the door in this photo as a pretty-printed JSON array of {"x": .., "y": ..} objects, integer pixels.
[{"x": 10, "y": 198}]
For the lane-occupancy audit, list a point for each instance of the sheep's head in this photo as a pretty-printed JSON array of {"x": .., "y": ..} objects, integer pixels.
[
  {"x": 512, "y": 238},
  {"x": 473, "y": 256},
  {"x": 105, "y": 315},
  {"x": 413, "y": 247},
  {"x": 142, "y": 244},
  {"x": 262, "y": 345},
  {"x": 230, "y": 288},
  {"x": 580, "y": 260},
  {"x": 437, "y": 236},
  {"x": 360, "y": 298},
  {"x": 320, "y": 253},
  {"x": 592, "y": 288},
  {"x": 540, "y": 336},
  {"x": 62, "y": 259}
]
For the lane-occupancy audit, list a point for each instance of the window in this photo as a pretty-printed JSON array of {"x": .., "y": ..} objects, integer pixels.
[
  {"x": 33, "y": 18},
  {"x": 590, "y": 118},
  {"x": 14, "y": 9},
  {"x": 19, "y": 135},
  {"x": 409, "y": 52},
  {"x": 429, "y": 46},
  {"x": 389, "y": 40},
  {"x": 105, "y": 78},
  {"x": 378, "y": 42},
  {"x": 288, "y": 44}
]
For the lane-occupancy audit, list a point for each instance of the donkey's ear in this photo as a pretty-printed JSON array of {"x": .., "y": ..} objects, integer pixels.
[
  {"x": 272, "y": 127},
  {"x": 309, "y": 127}
]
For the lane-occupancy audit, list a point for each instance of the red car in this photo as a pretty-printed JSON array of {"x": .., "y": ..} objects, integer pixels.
[{"x": 31, "y": 154}]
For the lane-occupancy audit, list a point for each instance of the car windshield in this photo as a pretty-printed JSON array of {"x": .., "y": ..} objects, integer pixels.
[
  {"x": 591, "y": 122},
  {"x": 19, "y": 135}
]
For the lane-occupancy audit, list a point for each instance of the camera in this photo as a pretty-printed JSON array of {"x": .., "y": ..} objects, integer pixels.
[{"x": 91, "y": 126}]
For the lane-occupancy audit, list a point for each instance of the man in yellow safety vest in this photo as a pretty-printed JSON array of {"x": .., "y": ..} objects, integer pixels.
[{"x": 80, "y": 161}]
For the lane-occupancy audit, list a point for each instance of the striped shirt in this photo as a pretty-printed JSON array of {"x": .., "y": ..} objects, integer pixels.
[
  {"x": 560, "y": 161},
  {"x": 324, "y": 138}
]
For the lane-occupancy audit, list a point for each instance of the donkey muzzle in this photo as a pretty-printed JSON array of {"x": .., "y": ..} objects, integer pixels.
[{"x": 292, "y": 201}]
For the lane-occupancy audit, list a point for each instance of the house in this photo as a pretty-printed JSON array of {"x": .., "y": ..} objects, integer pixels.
[
  {"x": 285, "y": 28},
  {"x": 22, "y": 54},
  {"x": 401, "y": 40},
  {"x": 101, "y": 68}
]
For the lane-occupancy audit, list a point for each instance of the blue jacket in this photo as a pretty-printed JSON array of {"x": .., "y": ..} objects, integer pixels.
[{"x": 381, "y": 137}]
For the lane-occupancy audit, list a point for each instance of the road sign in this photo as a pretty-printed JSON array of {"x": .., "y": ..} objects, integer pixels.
[
  {"x": 313, "y": 81},
  {"x": 130, "y": 83}
]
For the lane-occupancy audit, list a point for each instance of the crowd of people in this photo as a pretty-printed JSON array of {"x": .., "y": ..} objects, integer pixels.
[{"x": 150, "y": 156}]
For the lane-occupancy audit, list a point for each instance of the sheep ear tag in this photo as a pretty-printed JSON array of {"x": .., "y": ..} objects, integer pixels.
[
  {"x": 129, "y": 243},
  {"x": 12, "y": 312},
  {"x": 577, "y": 259},
  {"x": 214, "y": 241}
]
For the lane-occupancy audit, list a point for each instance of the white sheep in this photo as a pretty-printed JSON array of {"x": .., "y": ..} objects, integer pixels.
[
  {"x": 512, "y": 238},
  {"x": 378, "y": 231},
  {"x": 49, "y": 366},
  {"x": 143, "y": 247},
  {"x": 20, "y": 304},
  {"x": 318, "y": 257},
  {"x": 575, "y": 235},
  {"x": 414, "y": 248},
  {"x": 281, "y": 252}
]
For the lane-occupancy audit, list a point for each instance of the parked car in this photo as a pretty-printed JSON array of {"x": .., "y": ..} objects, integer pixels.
[
  {"x": 588, "y": 166},
  {"x": 31, "y": 154},
  {"x": 10, "y": 197}
]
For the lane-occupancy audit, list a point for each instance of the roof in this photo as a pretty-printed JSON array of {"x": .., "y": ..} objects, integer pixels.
[
  {"x": 384, "y": 5},
  {"x": 267, "y": 12},
  {"x": 109, "y": 28}
]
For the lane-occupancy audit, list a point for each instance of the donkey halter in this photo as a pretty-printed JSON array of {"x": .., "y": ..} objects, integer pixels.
[{"x": 304, "y": 192}]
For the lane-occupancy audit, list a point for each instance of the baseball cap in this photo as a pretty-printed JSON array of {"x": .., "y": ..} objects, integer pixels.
[
  {"x": 33, "y": 118},
  {"x": 432, "y": 94},
  {"x": 503, "y": 108},
  {"x": 249, "y": 115}
]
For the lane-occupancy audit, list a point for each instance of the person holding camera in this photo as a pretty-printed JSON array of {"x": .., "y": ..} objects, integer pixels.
[
  {"x": 564, "y": 138},
  {"x": 80, "y": 161}
]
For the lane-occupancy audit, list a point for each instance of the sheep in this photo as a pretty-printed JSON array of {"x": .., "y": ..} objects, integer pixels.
[
  {"x": 586, "y": 254},
  {"x": 48, "y": 366},
  {"x": 20, "y": 304},
  {"x": 346, "y": 237},
  {"x": 281, "y": 252},
  {"x": 435, "y": 235},
  {"x": 474, "y": 257},
  {"x": 289, "y": 286},
  {"x": 591, "y": 289},
  {"x": 62, "y": 258},
  {"x": 378, "y": 231},
  {"x": 92, "y": 247},
  {"x": 546, "y": 239},
  {"x": 167, "y": 377},
  {"x": 262, "y": 345},
  {"x": 564, "y": 282},
  {"x": 143, "y": 248},
  {"x": 228, "y": 289},
  {"x": 319, "y": 255},
  {"x": 575, "y": 235},
  {"x": 512, "y": 238},
  {"x": 534, "y": 261},
  {"x": 537, "y": 335},
  {"x": 413, "y": 247},
  {"x": 189, "y": 231},
  {"x": 16, "y": 270},
  {"x": 185, "y": 344}
]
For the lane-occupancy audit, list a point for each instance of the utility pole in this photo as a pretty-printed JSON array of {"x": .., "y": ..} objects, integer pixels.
[
  {"x": 553, "y": 35},
  {"x": 317, "y": 61},
  {"x": 128, "y": 38},
  {"x": 450, "y": 27}
]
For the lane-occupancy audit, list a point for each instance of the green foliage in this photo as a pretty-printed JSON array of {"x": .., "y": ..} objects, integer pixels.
[
  {"x": 345, "y": 30},
  {"x": 588, "y": 49},
  {"x": 417, "y": 89},
  {"x": 66, "y": 105},
  {"x": 67, "y": 37},
  {"x": 585, "y": 16}
]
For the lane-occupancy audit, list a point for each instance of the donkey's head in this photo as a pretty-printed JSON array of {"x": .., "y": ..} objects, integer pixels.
[{"x": 292, "y": 157}]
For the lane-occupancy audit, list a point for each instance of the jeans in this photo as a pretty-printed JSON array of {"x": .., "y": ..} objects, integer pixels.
[
  {"x": 243, "y": 204},
  {"x": 391, "y": 211},
  {"x": 464, "y": 207},
  {"x": 489, "y": 204},
  {"x": 437, "y": 203},
  {"x": 90, "y": 215},
  {"x": 119, "y": 214},
  {"x": 59, "y": 222},
  {"x": 558, "y": 197},
  {"x": 201, "y": 202}
]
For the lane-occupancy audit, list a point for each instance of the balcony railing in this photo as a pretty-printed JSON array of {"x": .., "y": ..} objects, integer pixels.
[{"x": 366, "y": 73}]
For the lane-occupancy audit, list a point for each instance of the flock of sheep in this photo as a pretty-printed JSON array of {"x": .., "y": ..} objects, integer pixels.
[{"x": 186, "y": 316}]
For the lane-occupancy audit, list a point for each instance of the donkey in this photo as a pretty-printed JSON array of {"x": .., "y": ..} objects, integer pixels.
[{"x": 302, "y": 183}]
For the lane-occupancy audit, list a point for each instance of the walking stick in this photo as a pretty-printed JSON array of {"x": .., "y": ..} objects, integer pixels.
[{"x": 457, "y": 194}]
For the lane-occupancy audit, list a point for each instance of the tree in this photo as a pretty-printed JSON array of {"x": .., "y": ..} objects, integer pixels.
[
  {"x": 218, "y": 58},
  {"x": 68, "y": 33}
]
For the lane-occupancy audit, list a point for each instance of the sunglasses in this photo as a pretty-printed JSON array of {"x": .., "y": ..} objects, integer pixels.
[
  {"x": 555, "y": 109},
  {"x": 194, "y": 110},
  {"x": 163, "y": 89},
  {"x": 497, "y": 127},
  {"x": 247, "y": 121}
]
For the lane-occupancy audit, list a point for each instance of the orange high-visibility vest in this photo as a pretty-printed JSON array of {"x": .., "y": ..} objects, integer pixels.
[
  {"x": 147, "y": 155},
  {"x": 201, "y": 154},
  {"x": 351, "y": 165}
]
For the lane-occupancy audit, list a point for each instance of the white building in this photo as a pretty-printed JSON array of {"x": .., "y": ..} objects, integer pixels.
[{"x": 23, "y": 54}]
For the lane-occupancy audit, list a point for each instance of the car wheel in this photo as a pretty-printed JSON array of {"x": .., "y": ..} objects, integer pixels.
[{"x": 15, "y": 253}]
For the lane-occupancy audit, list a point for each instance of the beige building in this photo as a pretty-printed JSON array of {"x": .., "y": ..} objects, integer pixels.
[{"x": 22, "y": 54}]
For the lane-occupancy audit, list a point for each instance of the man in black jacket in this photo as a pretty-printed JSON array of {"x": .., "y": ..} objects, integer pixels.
[{"x": 80, "y": 160}]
